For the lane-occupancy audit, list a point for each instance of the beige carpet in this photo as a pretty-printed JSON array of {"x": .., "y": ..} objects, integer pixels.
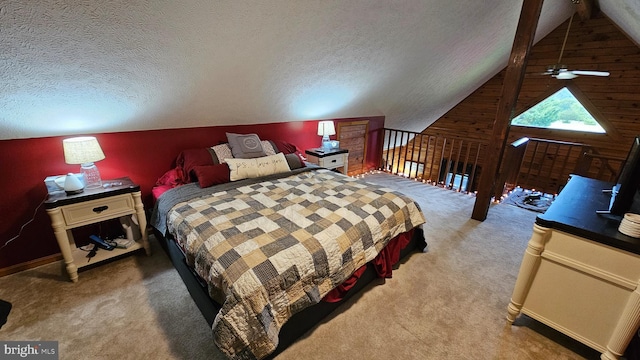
[{"x": 448, "y": 303}]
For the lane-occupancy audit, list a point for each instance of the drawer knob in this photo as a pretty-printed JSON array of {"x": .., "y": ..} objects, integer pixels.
[
  {"x": 100, "y": 209},
  {"x": 334, "y": 160}
]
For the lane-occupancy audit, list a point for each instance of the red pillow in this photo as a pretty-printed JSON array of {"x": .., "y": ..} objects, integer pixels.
[
  {"x": 171, "y": 178},
  {"x": 285, "y": 147},
  {"x": 190, "y": 158},
  {"x": 209, "y": 175}
]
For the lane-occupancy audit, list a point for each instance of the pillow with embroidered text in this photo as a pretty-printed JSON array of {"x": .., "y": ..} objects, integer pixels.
[{"x": 252, "y": 168}]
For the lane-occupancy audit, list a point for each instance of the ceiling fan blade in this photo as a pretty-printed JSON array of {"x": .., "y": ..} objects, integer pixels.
[
  {"x": 589, "y": 72},
  {"x": 561, "y": 72},
  {"x": 565, "y": 75}
]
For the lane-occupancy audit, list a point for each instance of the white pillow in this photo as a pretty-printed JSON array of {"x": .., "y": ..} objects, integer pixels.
[
  {"x": 257, "y": 167},
  {"x": 222, "y": 152},
  {"x": 267, "y": 147}
]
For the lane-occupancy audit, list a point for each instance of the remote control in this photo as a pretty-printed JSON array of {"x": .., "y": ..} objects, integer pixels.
[
  {"x": 101, "y": 243},
  {"x": 123, "y": 243}
]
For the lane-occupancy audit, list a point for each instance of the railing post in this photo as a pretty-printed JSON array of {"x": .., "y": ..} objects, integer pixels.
[
  {"x": 583, "y": 163},
  {"x": 513, "y": 77},
  {"x": 514, "y": 153},
  {"x": 382, "y": 137}
]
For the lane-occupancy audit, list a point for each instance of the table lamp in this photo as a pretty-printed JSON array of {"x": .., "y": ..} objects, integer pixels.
[
  {"x": 326, "y": 128},
  {"x": 84, "y": 150}
]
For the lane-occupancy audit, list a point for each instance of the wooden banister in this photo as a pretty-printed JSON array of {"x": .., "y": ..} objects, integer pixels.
[
  {"x": 455, "y": 162},
  {"x": 432, "y": 158},
  {"x": 593, "y": 165},
  {"x": 508, "y": 177}
]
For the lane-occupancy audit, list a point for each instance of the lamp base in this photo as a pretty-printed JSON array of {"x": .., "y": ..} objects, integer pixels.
[
  {"x": 91, "y": 175},
  {"x": 326, "y": 144}
]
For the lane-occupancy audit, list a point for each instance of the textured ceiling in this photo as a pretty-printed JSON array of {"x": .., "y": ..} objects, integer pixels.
[{"x": 77, "y": 67}]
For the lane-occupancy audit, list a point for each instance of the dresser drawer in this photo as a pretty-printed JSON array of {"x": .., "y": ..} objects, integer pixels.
[
  {"x": 92, "y": 211},
  {"x": 332, "y": 161},
  {"x": 599, "y": 260}
]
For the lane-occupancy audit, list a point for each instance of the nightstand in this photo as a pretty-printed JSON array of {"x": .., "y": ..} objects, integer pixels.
[
  {"x": 115, "y": 199},
  {"x": 330, "y": 159}
]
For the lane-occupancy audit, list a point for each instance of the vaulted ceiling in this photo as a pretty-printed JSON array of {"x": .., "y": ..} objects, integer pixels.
[{"x": 90, "y": 66}]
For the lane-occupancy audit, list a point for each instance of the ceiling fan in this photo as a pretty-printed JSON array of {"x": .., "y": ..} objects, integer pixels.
[{"x": 561, "y": 72}]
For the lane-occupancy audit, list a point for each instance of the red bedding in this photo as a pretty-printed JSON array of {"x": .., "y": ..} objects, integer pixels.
[{"x": 383, "y": 264}]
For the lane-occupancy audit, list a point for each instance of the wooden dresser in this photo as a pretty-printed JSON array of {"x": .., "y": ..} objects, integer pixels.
[{"x": 579, "y": 275}]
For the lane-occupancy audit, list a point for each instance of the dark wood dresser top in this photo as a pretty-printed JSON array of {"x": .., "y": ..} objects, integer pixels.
[{"x": 574, "y": 212}]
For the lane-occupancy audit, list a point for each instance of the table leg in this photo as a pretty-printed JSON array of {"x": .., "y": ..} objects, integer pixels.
[
  {"x": 625, "y": 329},
  {"x": 528, "y": 269},
  {"x": 345, "y": 160},
  {"x": 142, "y": 221},
  {"x": 63, "y": 237}
]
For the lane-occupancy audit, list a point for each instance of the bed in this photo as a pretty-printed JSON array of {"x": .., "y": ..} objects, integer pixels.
[{"x": 267, "y": 256}]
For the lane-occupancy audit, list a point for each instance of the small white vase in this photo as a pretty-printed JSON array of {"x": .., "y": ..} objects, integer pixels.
[{"x": 72, "y": 185}]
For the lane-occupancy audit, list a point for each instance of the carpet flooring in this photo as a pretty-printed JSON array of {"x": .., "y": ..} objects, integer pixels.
[{"x": 447, "y": 303}]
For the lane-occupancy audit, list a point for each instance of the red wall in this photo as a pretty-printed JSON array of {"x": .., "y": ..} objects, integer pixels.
[{"x": 144, "y": 156}]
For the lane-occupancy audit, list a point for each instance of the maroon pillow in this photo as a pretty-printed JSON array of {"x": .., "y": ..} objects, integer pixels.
[
  {"x": 209, "y": 175},
  {"x": 190, "y": 158},
  {"x": 285, "y": 147}
]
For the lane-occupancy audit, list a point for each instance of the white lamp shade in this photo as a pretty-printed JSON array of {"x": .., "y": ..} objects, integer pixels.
[
  {"x": 326, "y": 128},
  {"x": 82, "y": 150}
]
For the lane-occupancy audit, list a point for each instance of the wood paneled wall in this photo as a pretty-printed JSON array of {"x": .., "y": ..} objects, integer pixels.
[{"x": 595, "y": 44}]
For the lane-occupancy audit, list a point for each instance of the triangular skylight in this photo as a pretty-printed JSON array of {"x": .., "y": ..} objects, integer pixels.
[{"x": 560, "y": 111}]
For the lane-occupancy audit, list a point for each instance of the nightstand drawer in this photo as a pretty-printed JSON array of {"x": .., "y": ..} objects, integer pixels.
[
  {"x": 332, "y": 161},
  {"x": 92, "y": 211},
  {"x": 329, "y": 159}
]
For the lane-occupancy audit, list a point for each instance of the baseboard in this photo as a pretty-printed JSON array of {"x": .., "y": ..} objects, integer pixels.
[{"x": 30, "y": 264}]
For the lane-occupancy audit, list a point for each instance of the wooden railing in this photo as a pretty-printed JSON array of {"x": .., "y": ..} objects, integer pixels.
[
  {"x": 456, "y": 163},
  {"x": 600, "y": 167},
  {"x": 545, "y": 165},
  {"x": 450, "y": 162}
]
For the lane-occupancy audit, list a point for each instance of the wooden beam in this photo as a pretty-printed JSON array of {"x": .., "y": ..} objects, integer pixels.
[
  {"x": 512, "y": 83},
  {"x": 584, "y": 8}
]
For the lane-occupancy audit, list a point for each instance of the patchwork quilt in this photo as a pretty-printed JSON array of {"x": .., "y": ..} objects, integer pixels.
[{"x": 272, "y": 248}]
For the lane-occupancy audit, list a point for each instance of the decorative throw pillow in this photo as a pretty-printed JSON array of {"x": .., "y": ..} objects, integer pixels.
[
  {"x": 209, "y": 175},
  {"x": 294, "y": 161},
  {"x": 172, "y": 178},
  {"x": 246, "y": 146},
  {"x": 268, "y": 147},
  {"x": 284, "y": 146},
  {"x": 252, "y": 168},
  {"x": 190, "y": 158},
  {"x": 222, "y": 151}
]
